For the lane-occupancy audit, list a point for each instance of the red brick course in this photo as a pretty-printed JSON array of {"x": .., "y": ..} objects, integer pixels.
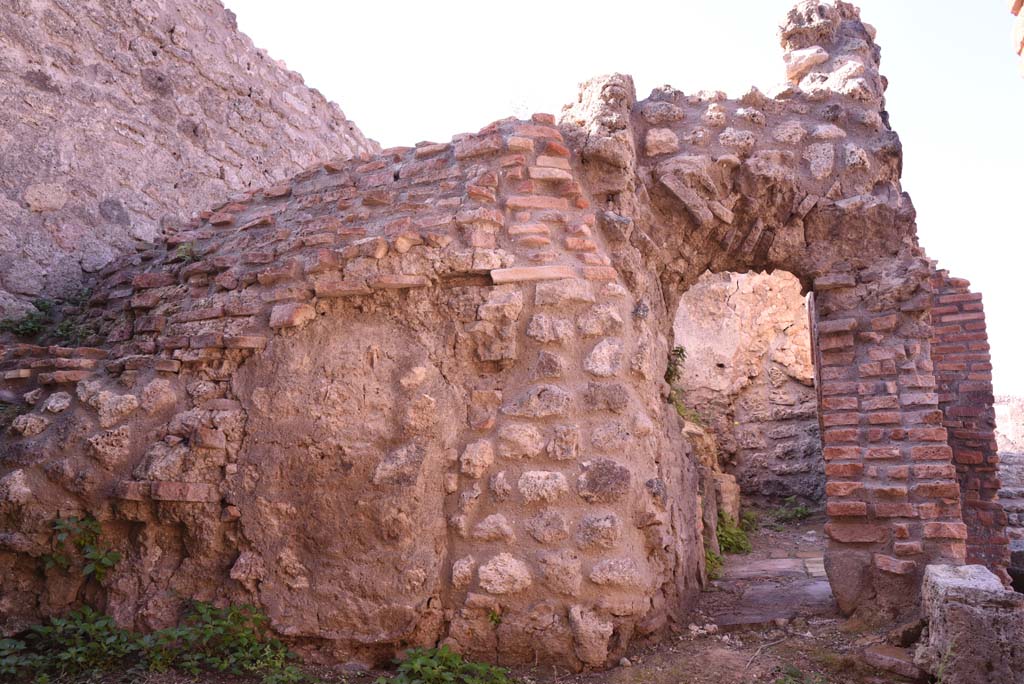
[{"x": 963, "y": 373}]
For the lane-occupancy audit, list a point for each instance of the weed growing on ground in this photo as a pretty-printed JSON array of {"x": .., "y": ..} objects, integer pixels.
[
  {"x": 712, "y": 563},
  {"x": 794, "y": 675},
  {"x": 749, "y": 522},
  {"x": 85, "y": 643},
  {"x": 791, "y": 511},
  {"x": 444, "y": 666},
  {"x": 731, "y": 537}
]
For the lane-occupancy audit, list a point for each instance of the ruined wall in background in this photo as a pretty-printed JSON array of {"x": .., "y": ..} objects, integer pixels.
[
  {"x": 748, "y": 374},
  {"x": 119, "y": 117},
  {"x": 1010, "y": 439}
]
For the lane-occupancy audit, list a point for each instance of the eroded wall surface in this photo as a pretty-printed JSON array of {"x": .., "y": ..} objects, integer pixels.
[
  {"x": 120, "y": 118},
  {"x": 748, "y": 374}
]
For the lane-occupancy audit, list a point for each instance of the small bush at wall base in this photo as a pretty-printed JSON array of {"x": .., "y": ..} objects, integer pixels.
[
  {"x": 444, "y": 666},
  {"x": 88, "y": 643},
  {"x": 731, "y": 537}
]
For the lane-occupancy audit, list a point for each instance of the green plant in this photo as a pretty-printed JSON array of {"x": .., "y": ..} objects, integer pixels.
[
  {"x": 79, "y": 297},
  {"x": 8, "y": 412},
  {"x": 443, "y": 666},
  {"x": 940, "y": 672},
  {"x": 675, "y": 397},
  {"x": 749, "y": 521},
  {"x": 794, "y": 675},
  {"x": 791, "y": 511},
  {"x": 731, "y": 537},
  {"x": 494, "y": 617},
  {"x": 32, "y": 323},
  {"x": 676, "y": 359},
  {"x": 81, "y": 536},
  {"x": 70, "y": 332},
  {"x": 83, "y": 642},
  {"x": 231, "y": 639},
  {"x": 186, "y": 253},
  {"x": 14, "y": 658},
  {"x": 713, "y": 563}
]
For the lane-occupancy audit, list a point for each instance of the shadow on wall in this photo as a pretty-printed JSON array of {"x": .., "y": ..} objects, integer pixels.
[{"x": 748, "y": 376}]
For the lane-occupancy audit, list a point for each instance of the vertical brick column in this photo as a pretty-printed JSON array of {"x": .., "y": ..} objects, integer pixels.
[
  {"x": 963, "y": 369},
  {"x": 893, "y": 500}
]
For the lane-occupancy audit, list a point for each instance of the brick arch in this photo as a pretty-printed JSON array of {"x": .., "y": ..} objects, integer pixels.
[{"x": 807, "y": 181}]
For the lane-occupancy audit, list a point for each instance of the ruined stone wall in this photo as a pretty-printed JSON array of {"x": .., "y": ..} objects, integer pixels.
[
  {"x": 1010, "y": 440},
  {"x": 385, "y": 401},
  {"x": 496, "y": 314},
  {"x": 119, "y": 118},
  {"x": 748, "y": 374}
]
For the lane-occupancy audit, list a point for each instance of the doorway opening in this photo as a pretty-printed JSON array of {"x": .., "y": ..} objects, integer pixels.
[{"x": 744, "y": 383}]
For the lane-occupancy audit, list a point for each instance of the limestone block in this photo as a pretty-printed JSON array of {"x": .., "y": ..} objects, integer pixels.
[
  {"x": 548, "y": 527},
  {"x": 477, "y": 458},
  {"x": 540, "y": 402},
  {"x": 590, "y": 635},
  {"x": 974, "y": 625},
  {"x": 599, "y": 531},
  {"x": 604, "y": 359},
  {"x": 519, "y": 440},
  {"x": 603, "y": 481},
  {"x": 561, "y": 572},
  {"x": 800, "y": 62},
  {"x": 542, "y": 485},
  {"x": 57, "y": 402},
  {"x": 661, "y": 141},
  {"x": 504, "y": 574},
  {"x": 494, "y": 528}
]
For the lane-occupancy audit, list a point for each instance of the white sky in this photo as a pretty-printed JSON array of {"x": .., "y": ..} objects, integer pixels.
[{"x": 411, "y": 71}]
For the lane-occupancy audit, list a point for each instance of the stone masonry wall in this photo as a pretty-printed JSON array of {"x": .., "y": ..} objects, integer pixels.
[
  {"x": 119, "y": 118},
  {"x": 963, "y": 371},
  {"x": 748, "y": 374}
]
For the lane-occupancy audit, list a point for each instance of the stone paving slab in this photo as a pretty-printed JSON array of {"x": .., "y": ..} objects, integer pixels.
[
  {"x": 737, "y": 568},
  {"x": 762, "y": 604}
]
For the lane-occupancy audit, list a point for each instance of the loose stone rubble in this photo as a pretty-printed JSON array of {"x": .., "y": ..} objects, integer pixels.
[{"x": 404, "y": 393}]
